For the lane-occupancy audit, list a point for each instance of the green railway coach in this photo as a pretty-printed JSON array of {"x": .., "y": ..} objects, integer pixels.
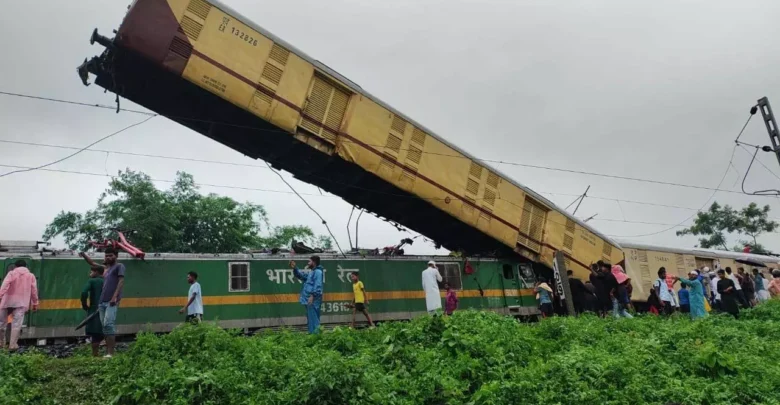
[{"x": 259, "y": 291}]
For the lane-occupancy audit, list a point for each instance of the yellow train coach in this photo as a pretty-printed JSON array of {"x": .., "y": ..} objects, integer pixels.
[
  {"x": 207, "y": 67},
  {"x": 643, "y": 261}
]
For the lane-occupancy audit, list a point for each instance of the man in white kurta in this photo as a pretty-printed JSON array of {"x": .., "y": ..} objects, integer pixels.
[{"x": 430, "y": 284}]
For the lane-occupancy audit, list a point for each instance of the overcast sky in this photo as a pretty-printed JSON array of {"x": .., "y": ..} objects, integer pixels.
[{"x": 653, "y": 89}]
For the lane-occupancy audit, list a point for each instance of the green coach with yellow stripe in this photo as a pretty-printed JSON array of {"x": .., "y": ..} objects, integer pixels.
[{"x": 253, "y": 291}]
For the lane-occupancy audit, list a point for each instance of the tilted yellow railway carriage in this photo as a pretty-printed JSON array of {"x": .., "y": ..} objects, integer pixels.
[
  {"x": 643, "y": 261},
  {"x": 205, "y": 66}
]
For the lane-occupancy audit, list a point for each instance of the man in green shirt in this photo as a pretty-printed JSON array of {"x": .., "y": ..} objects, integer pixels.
[{"x": 92, "y": 290}]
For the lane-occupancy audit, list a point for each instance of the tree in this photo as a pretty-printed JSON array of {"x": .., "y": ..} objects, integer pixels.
[
  {"x": 283, "y": 236},
  {"x": 177, "y": 220},
  {"x": 718, "y": 222},
  {"x": 753, "y": 221}
]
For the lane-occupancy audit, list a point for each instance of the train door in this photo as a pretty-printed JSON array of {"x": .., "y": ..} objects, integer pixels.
[
  {"x": 705, "y": 262},
  {"x": 517, "y": 277}
]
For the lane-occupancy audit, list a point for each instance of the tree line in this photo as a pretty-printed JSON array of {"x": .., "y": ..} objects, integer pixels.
[
  {"x": 715, "y": 225},
  {"x": 179, "y": 219}
]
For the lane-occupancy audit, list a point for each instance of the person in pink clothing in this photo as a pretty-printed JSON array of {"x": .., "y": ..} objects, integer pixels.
[
  {"x": 18, "y": 294},
  {"x": 451, "y": 301}
]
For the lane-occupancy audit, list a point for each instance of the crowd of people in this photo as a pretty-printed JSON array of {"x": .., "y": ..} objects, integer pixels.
[{"x": 608, "y": 290}]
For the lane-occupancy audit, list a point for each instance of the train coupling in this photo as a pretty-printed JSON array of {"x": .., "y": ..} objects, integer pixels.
[
  {"x": 105, "y": 41},
  {"x": 83, "y": 71}
]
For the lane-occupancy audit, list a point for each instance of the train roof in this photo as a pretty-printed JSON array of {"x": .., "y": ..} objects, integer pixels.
[
  {"x": 359, "y": 90},
  {"x": 703, "y": 252},
  {"x": 70, "y": 254}
]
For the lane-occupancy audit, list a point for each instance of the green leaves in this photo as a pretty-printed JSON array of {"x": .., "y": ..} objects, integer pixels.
[
  {"x": 714, "y": 362},
  {"x": 176, "y": 220},
  {"x": 477, "y": 358},
  {"x": 718, "y": 222},
  {"x": 283, "y": 236}
]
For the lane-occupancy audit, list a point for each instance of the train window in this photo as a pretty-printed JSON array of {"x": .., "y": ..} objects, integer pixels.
[
  {"x": 239, "y": 276},
  {"x": 527, "y": 277},
  {"x": 450, "y": 273},
  {"x": 508, "y": 273}
]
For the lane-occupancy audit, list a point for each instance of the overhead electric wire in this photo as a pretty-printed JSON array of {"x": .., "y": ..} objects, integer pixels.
[
  {"x": 221, "y": 162},
  {"x": 741, "y": 131},
  {"x": 741, "y": 144},
  {"x": 291, "y": 193},
  {"x": 56, "y": 100},
  {"x": 533, "y": 166},
  {"x": 725, "y": 173},
  {"x": 770, "y": 192},
  {"x": 78, "y": 151},
  {"x": 324, "y": 222},
  {"x": 634, "y": 222},
  {"x": 170, "y": 181},
  {"x": 715, "y": 190},
  {"x": 118, "y": 152},
  {"x": 617, "y": 200}
]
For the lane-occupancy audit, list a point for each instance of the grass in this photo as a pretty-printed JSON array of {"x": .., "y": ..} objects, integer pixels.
[{"x": 470, "y": 358}]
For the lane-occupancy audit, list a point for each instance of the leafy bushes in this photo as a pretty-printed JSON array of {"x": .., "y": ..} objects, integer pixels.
[{"x": 469, "y": 358}]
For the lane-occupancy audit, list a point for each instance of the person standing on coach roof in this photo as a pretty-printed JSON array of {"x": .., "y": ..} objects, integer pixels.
[
  {"x": 194, "y": 305},
  {"x": 430, "y": 284},
  {"x": 311, "y": 291},
  {"x": 113, "y": 282}
]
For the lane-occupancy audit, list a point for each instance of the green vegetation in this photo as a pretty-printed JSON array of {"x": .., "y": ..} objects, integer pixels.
[
  {"x": 176, "y": 220},
  {"x": 718, "y": 222},
  {"x": 470, "y": 358}
]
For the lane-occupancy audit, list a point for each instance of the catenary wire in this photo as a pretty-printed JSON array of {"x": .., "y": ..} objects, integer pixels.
[
  {"x": 331, "y": 196},
  {"x": 617, "y": 200},
  {"x": 219, "y": 162},
  {"x": 56, "y": 100},
  {"x": 725, "y": 173},
  {"x": 759, "y": 161},
  {"x": 527, "y": 165},
  {"x": 324, "y": 222},
  {"x": 280, "y": 191},
  {"x": 78, "y": 151},
  {"x": 440, "y": 154}
]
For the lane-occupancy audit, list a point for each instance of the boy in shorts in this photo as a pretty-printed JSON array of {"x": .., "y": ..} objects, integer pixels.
[{"x": 359, "y": 300}]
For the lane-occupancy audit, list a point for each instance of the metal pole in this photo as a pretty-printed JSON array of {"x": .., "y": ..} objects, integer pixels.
[
  {"x": 357, "y": 230},
  {"x": 562, "y": 281},
  {"x": 591, "y": 217},
  {"x": 583, "y": 197},
  {"x": 348, "y": 222},
  {"x": 771, "y": 125}
]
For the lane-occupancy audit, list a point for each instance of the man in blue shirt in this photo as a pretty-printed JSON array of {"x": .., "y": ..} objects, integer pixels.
[
  {"x": 311, "y": 292},
  {"x": 685, "y": 301}
]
